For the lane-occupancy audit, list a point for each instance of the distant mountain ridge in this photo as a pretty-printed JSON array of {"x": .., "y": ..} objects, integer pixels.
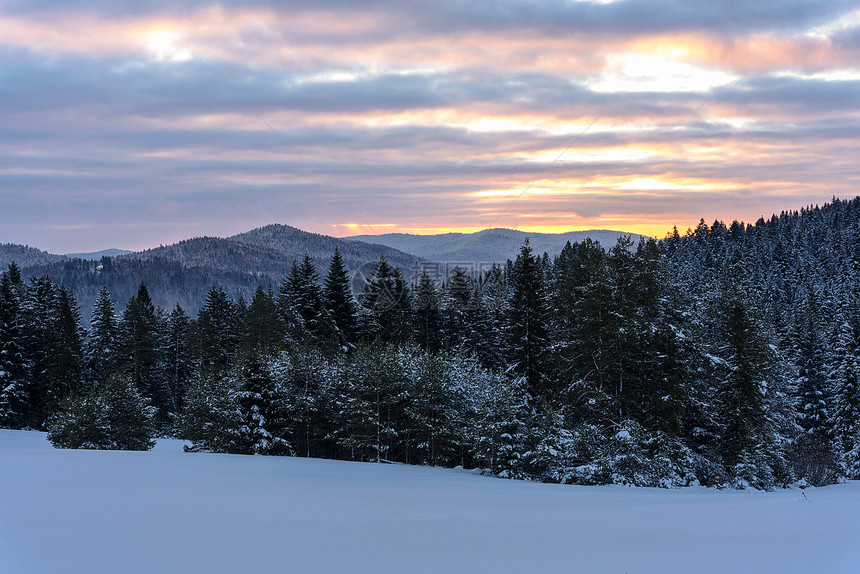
[
  {"x": 271, "y": 251},
  {"x": 183, "y": 272},
  {"x": 25, "y": 256},
  {"x": 490, "y": 245},
  {"x": 96, "y": 255}
]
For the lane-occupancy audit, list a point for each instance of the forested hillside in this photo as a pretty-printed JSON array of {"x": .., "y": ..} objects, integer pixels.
[
  {"x": 724, "y": 356},
  {"x": 25, "y": 256},
  {"x": 271, "y": 250},
  {"x": 182, "y": 273},
  {"x": 487, "y": 246}
]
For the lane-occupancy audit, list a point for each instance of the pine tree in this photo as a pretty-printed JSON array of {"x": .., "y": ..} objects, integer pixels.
[
  {"x": 305, "y": 295},
  {"x": 68, "y": 352},
  {"x": 218, "y": 329},
  {"x": 846, "y": 412},
  {"x": 387, "y": 298},
  {"x": 427, "y": 317},
  {"x": 305, "y": 376},
  {"x": 262, "y": 330},
  {"x": 114, "y": 417},
  {"x": 434, "y": 419},
  {"x": 138, "y": 350},
  {"x": 264, "y": 428},
  {"x": 748, "y": 444},
  {"x": 176, "y": 356},
  {"x": 211, "y": 419},
  {"x": 101, "y": 348},
  {"x": 812, "y": 382},
  {"x": 457, "y": 307},
  {"x": 527, "y": 324},
  {"x": 368, "y": 402},
  {"x": 339, "y": 301},
  {"x": 13, "y": 383},
  {"x": 43, "y": 389}
]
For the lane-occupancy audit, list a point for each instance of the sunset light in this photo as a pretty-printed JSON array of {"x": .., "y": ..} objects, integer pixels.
[{"x": 576, "y": 115}]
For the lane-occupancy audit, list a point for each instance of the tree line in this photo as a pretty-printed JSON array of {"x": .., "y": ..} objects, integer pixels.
[{"x": 693, "y": 360}]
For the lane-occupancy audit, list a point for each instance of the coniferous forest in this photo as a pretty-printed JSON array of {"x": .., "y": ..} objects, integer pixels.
[{"x": 723, "y": 356}]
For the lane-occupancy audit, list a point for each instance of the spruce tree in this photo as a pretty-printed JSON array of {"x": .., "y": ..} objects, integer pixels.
[
  {"x": 43, "y": 388},
  {"x": 846, "y": 411},
  {"x": 68, "y": 352},
  {"x": 368, "y": 403},
  {"x": 101, "y": 348},
  {"x": 457, "y": 307},
  {"x": 434, "y": 422},
  {"x": 113, "y": 417},
  {"x": 527, "y": 324},
  {"x": 262, "y": 330},
  {"x": 290, "y": 318},
  {"x": 492, "y": 321},
  {"x": 176, "y": 356},
  {"x": 387, "y": 298},
  {"x": 138, "y": 350},
  {"x": 264, "y": 427},
  {"x": 211, "y": 418},
  {"x": 748, "y": 442},
  {"x": 499, "y": 427},
  {"x": 305, "y": 294},
  {"x": 338, "y": 300},
  {"x": 812, "y": 385},
  {"x": 427, "y": 317},
  {"x": 54, "y": 340},
  {"x": 130, "y": 418},
  {"x": 400, "y": 327},
  {"x": 13, "y": 381},
  {"x": 218, "y": 331},
  {"x": 305, "y": 374}
]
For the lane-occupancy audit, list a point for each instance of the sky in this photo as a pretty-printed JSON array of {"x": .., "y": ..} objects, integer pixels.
[{"x": 136, "y": 124}]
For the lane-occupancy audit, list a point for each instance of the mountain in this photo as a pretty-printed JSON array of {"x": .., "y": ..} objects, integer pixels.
[
  {"x": 295, "y": 244},
  {"x": 487, "y": 246},
  {"x": 271, "y": 251},
  {"x": 25, "y": 256},
  {"x": 169, "y": 282},
  {"x": 182, "y": 273},
  {"x": 96, "y": 255}
]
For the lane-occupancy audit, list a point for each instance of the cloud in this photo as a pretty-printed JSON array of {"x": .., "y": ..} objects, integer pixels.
[{"x": 423, "y": 115}]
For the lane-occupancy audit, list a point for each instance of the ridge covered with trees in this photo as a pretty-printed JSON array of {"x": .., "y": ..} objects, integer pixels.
[
  {"x": 723, "y": 356},
  {"x": 183, "y": 272}
]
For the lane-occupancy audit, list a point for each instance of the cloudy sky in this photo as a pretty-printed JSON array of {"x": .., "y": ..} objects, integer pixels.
[{"x": 134, "y": 124}]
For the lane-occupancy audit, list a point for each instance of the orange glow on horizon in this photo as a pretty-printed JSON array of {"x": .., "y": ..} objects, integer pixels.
[{"x": 656, "y": 229}]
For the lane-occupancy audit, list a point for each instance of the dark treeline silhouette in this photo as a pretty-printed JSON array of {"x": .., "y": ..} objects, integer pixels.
[{"x": 727, "y": 355}]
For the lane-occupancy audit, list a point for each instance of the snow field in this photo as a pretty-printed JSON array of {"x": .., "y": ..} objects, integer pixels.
[{"x": 167, "y": 511}]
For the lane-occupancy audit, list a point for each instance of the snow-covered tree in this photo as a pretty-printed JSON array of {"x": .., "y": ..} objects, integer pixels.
[
  {"x": 527, "y": 324},
  {"x": 101, "y": 348},
  {"x": 261, "y": 402},
  {"x": 846, "y": 404},
  {"x": 13, "y": 371},
  {"x": 339, "y": 301},
  {"x": 112, "y": 417}
]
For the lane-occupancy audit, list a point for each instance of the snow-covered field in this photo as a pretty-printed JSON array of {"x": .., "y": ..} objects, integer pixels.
[{"x": 167, "y": 511}]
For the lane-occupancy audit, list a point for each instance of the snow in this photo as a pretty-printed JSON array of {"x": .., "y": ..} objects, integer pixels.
[{"x": 168, "y": 511}]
